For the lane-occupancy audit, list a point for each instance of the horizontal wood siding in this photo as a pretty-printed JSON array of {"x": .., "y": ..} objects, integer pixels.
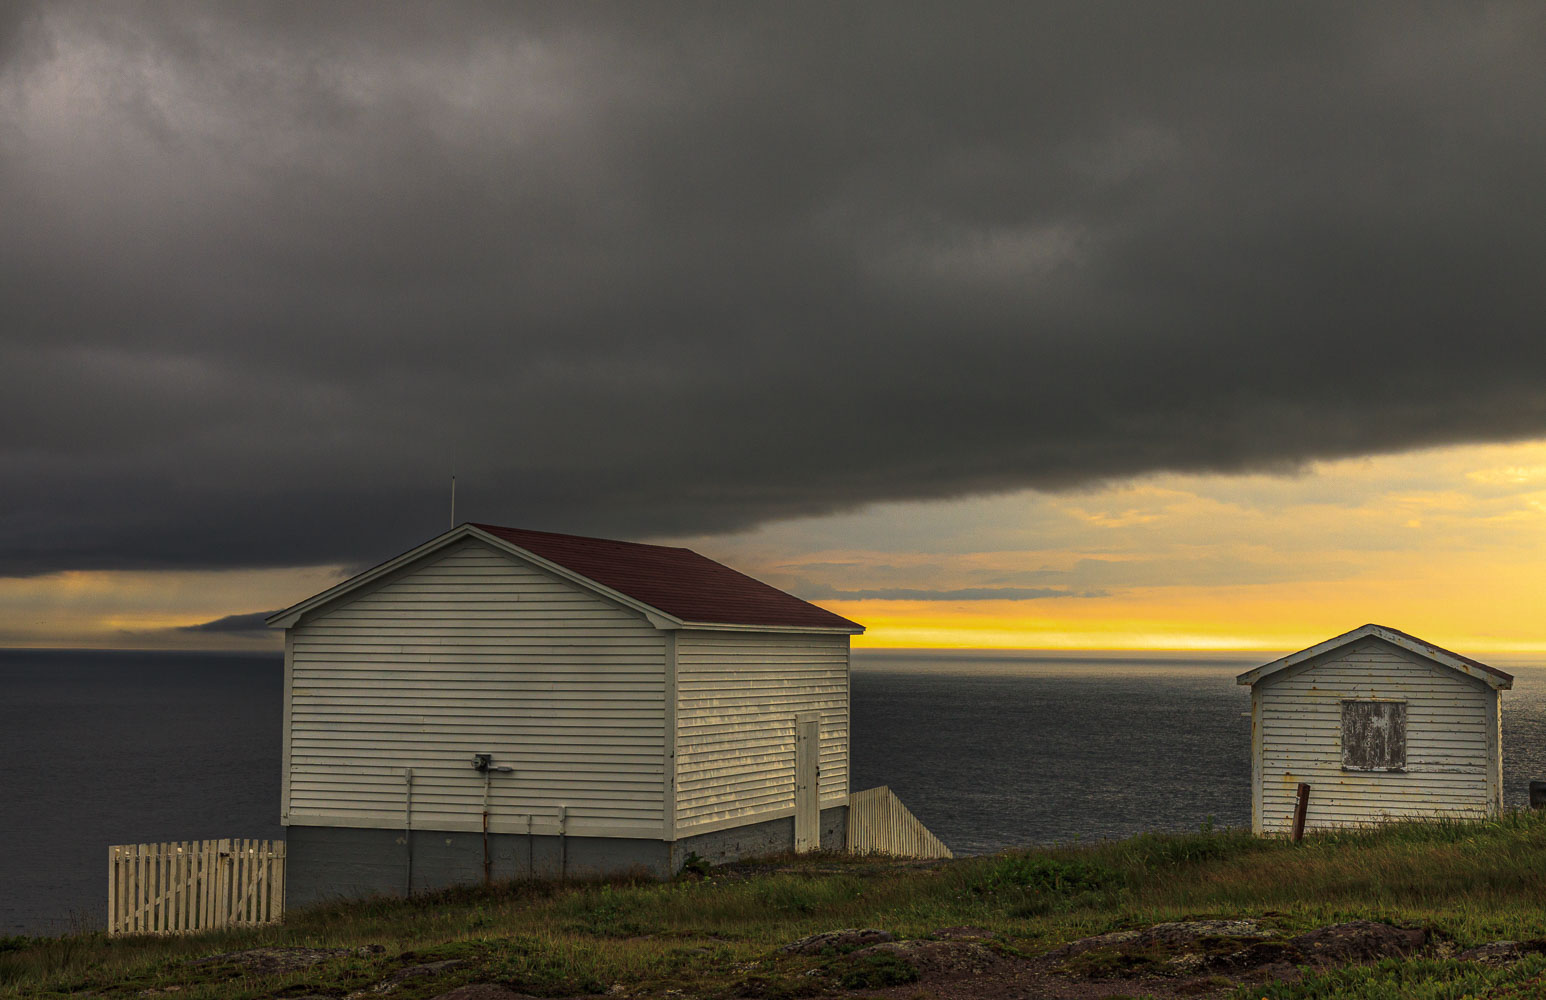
[
  {"x": 473, "y": 651},
  {"x": 1447, "y": 748},
  {"x": 737, "y": 696}
]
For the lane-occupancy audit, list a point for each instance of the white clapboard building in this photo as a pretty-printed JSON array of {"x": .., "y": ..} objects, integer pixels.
[
  {"x": 504, "y": 703},
  {"x": 1381, "y": 725}
]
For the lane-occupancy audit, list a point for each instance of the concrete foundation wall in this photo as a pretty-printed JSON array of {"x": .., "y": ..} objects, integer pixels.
[
  {"x": 329, "y": 863},
  {"x": 774, "y": 836}
]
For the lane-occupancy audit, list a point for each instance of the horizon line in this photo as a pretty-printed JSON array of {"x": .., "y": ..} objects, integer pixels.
[{"x": 1511, "y": 650}]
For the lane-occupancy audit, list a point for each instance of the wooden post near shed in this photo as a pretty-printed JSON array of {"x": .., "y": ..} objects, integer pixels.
[{"x": 1300, "y": 809}]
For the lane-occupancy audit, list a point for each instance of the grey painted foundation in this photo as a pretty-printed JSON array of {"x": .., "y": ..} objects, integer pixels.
[
  {"x": 328, "y": 863},
  {"x": 772, "y": 837}
]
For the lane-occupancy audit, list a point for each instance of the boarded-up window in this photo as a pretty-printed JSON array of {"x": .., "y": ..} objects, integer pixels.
[{"x": 1373, "y": 735}]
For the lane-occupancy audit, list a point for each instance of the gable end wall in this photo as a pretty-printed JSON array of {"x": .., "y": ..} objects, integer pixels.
[
  {"x": 469, "y": 651},
  {"x": 1452, "y": 763}
]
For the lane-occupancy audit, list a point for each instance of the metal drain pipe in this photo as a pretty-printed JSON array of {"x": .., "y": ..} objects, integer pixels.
[
  {"x": 563, "y": 844},
  {"x": 408, "y": 829},
  {"x": 484, "y": 762}
]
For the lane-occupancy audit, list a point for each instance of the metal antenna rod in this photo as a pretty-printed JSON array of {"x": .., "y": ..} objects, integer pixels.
[{"x": 453, "y": 500}]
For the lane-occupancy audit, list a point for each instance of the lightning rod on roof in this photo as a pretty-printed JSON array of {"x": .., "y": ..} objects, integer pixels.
[{"x": 453, "y": 500}]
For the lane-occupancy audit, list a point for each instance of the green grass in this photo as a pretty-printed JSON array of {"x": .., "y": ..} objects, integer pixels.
[{"x": 717, "y": 936}]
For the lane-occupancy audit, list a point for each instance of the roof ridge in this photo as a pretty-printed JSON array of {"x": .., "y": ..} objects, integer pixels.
[
  {"x": 677, "y": 581},
  {"x": 1384, "y": 633},
  {"x": 1433, "y": 645},
  {"x": 687, "y": 587},
  {"x": 484, "y": 526}
]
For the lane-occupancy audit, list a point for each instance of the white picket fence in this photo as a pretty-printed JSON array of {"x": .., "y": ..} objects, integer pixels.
[
  {"x": 194, "y": 885},
  {"x": 878, "y": 823}
]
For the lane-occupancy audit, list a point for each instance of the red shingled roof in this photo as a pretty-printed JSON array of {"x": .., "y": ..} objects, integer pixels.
[{"x": 678, "y": 581}]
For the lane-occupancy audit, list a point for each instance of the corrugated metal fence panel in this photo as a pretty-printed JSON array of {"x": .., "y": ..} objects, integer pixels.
[
  {"x": 194, "y": 885},
  {"x": 878, "y": 823},
  {"x": 1447, "y": 749},
  {"x": 737, "y": 697},
  {"x": 473, "y": 651}
]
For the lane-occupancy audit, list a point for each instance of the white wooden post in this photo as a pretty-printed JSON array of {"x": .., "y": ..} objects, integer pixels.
[{"x": 807, "y": 795}]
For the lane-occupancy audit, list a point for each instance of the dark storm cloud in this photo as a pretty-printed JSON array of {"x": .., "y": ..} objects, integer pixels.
[{"x": 268, "y": 274}]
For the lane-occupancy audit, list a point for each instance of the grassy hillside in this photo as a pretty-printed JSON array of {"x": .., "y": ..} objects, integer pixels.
[{"x": 1467, "y": 883}]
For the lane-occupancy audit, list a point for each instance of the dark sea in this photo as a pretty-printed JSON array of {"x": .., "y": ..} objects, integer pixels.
[{"x": 989, "y": 749}]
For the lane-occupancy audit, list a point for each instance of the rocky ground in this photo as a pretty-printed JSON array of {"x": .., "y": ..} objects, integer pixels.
[{"x": 1202, "y": 958}]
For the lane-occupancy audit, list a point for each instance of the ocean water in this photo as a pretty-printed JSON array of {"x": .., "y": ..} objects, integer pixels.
[
  {"x": 990, "y": 750},
  {"x": 100, "y": 748}
]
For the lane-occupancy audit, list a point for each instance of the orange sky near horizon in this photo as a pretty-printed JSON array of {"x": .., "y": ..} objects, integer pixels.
[
  {"x": 1446, "y": 543},
  {"x": 1485, "y": 603}
]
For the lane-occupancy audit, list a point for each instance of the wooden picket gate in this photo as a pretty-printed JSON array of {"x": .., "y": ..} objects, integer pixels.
[
  {"x": 878, "y": 823},
  {"x": 194, "y": 885}
]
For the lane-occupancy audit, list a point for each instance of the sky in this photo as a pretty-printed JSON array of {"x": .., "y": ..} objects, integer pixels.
[{"x": 1107, "y": 325}]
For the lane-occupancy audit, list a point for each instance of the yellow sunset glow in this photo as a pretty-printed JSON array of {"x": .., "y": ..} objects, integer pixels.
[
  {"x": 1483, "y": 599},
  {"x": 1448, "y": 543}
]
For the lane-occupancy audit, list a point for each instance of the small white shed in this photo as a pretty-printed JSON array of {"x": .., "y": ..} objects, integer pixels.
[
  {"x": 506, "y": 703},
  {"x": 1381, "y": 725}
]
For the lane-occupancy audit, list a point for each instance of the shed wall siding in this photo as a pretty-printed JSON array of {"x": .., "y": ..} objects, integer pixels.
[
  {"x": 737, "y": 695},
  {"x": 1447, "y": 753},
  {"x": 474, "y": 651}
]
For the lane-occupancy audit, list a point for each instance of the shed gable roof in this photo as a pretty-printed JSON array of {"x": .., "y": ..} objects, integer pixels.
[
  {"x": 676, "y": 584},
  {"x": 1436, "y": 654}
]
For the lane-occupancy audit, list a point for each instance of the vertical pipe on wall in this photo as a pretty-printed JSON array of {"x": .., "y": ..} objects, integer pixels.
[
  {"x": 408, "y": 830},
  {"x": 563, "y": 843},
  {"x": 488, "y": 867}
]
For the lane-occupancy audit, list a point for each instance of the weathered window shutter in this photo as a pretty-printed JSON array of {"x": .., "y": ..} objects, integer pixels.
[{"x": 1373, "y": 735}]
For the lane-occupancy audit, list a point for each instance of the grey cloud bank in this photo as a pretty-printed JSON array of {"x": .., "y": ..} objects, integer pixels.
[
  {"x": 242, "y": 623},
  {"x": 269, "y": 274}
]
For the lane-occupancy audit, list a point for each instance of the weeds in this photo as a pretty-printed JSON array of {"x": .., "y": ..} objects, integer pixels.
[
  {"x": 1152, "y": 852},
  {"x": 1058, "y": 876},
  {"x": 876, "y": 971}
]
